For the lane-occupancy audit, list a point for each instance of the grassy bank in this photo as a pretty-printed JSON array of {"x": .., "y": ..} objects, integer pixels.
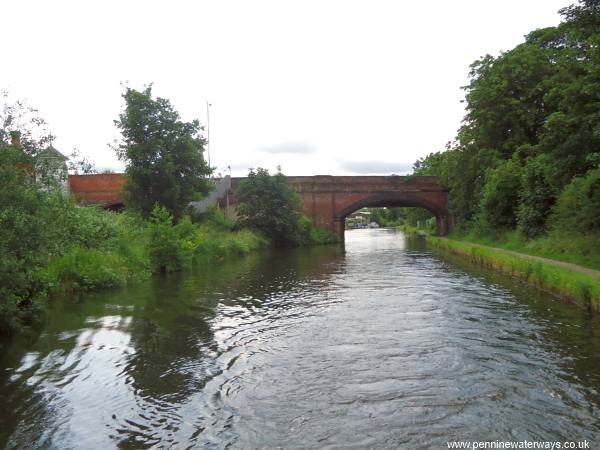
[
  {"x": 57, "y": 247},
  {"x": 580, "y": 288},
  {"x": 132, "y": 249},
  {"x": 576, "y": 248},
  {"x": 135, "y": 249}
]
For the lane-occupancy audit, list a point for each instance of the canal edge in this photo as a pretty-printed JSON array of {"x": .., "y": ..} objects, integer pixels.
[{"x": 579, "y": 287}]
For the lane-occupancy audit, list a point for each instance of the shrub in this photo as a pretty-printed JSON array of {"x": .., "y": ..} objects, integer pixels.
[
  {"x": 536, "y": 198},
  {"x": 69, "y": 224},
  {"x": 500, "y": 195},
  {"x": 310, "y": 234},
  {"x": 81, "y": 270},
  {"x": 166, "y": 253},
  {"x": 269, "y": 205},
  {"x": 214, "y": 218},
  {"x": 578, "y": 206},
  {"x": 23, "y": 240}
]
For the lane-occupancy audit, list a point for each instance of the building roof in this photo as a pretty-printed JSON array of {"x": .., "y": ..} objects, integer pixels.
[{"x": 51, "y": 152}]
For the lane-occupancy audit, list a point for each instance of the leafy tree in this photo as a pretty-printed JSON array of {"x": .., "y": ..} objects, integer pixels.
[
  {"x": 500, "y": 196},
  {"x": 18, "y": 118},
  {"x": 78, "y": 163},
  {"x": 164, "y": 155},
  {"x": 536, "y": 197},
  {"x": 22, "y": 238},
  {"x": 578, "y": 206},
  {"x": 268, "y": 204},
  {"x": 534, "y": 109}
]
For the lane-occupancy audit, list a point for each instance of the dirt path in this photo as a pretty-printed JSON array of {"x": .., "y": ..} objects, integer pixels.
[{"x": 552, "y": 262}]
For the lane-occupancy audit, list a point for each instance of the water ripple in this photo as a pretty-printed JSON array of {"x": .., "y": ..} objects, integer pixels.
[{"x": 378, "y": 345}]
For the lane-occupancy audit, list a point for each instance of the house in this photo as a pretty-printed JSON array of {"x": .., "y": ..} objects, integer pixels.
[
  {"x": 51, "y": 169},
  {"x": 49, "y": 166}
]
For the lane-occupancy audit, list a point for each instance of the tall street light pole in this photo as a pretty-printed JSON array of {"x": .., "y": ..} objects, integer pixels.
[{"x": 208, "y": 105}]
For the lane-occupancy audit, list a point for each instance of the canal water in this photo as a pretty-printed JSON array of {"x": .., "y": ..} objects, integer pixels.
[{"x": 378, "y": 343}]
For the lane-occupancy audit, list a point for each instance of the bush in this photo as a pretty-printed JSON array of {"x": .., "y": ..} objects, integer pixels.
[
  {"x": 536, "y": 198},
  {"x": 500, "y": 196},
  {"x": 23, "y": 240},
  {"x": 578, "y": 206},
  {"x": 214, "y": 218},
  {"x": 310, "y": 234},
  {"x": 80, "y": 270},
  {"x": 69, "y": 224},
  {"x": 164, "y": 247},
  {"x": 269, "y": 205}
]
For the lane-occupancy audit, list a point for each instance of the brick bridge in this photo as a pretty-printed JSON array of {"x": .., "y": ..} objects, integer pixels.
[{"x": 326, "y": 199}]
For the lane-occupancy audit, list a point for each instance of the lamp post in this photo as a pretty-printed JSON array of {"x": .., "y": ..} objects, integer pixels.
[{"x": 208, "y": 105}]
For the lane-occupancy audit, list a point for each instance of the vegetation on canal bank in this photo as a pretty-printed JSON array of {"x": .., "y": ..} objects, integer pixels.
[
  {"x": 270, "y": 206},
  {"x": 523, "y": 172},
  {"x": 582, "y": 288},
  {"x": 51, "y": 245}
]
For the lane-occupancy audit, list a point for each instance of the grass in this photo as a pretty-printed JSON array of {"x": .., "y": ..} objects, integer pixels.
[
  {"x": 580, "y": 288},
  {"x": 575, "y": 248},
  {"x": 126, "y": 255}
]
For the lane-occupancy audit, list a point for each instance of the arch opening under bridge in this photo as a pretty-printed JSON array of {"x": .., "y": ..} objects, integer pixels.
[{"x": 398, "y": 200}]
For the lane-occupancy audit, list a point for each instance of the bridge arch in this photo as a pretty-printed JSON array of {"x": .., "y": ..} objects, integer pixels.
[
  {"x": 326, "y": 199},
  {"x": 392, "y": 200}
]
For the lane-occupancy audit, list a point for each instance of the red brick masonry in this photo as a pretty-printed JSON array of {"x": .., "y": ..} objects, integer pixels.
[
  {"x": 98, "y": 189},
  {"x": 327, "y": 199}
]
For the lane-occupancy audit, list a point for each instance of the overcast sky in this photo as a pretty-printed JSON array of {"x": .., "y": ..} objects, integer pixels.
[{"x": 320, "y": 87}]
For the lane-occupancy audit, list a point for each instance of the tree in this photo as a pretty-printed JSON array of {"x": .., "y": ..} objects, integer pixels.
[
  {"x": 19, "y": 119},
  {"x": 268, "y": 204},
  {"x": 500, "y": 196},
  {"x": 578, "y": 206},
  {"x": 164, "y": 155},
  {"x": 532, "y": 124},
  {"x": 23, "y": 237},
  {"x": 536, "y": 197}
]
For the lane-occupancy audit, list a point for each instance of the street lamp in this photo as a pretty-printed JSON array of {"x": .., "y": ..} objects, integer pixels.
[{"x": 208, "y": 105}]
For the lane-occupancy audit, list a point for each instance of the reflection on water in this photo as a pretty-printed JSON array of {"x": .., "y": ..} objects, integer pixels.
[{"x": 379, "y": 344}]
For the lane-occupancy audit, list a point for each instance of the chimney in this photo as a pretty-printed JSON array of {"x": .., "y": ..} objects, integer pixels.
[{"x": 15, "y": 138}]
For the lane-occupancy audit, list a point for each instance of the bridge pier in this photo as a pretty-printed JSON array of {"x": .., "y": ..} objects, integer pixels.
[{"x": 339, "y": 228}]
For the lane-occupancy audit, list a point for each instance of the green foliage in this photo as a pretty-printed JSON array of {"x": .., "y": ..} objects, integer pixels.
[
  {"x": 71, "y": 225},
  {"x": 51, "y": 245},
  {"x": 532, "y": 125},
  {"x": 310, "y": 234},
  {"x": 578, "y": 206},
  {"x": 581, "y": 249},
  {"x": 163, "y": 154},
  {"x": 580, "y": 287},
  {"x": 412, "y": 217},
  {"x": 208, "y": 243},
  {"x": 177, "y": 247},
  {"x": 536, "y": 197},
  {"x": 500, "y": 196},
  {"x": 165, "y": 249},
  {"x": 80, "y": 270},
  {"x": 23, "y": 242},
  {"x": 269, "y": 205},
  {"x": 214, "y": 217},
  {"x": 19, "y": 119}
]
